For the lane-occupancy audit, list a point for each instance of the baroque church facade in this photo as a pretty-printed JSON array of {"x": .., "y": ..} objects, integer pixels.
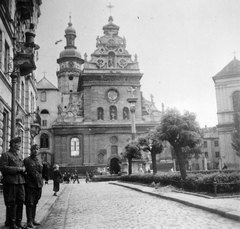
[
  {"x": 87, "y": 120},
  {"x": 227, "y": 86}
]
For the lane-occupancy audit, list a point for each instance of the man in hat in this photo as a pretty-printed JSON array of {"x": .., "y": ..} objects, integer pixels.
[
  {"x": 12, "y": 168},
  {"x": 33, "y": 185}
]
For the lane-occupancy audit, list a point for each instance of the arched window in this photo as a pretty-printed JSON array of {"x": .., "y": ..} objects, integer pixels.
[
  {"x": 100, "y": 113},
  {"x": 74, "y": 147},
  {"x": 43, "y": 96},
  {"x": 44, "y": 117},
  {"x": 44, "y": 112},
  {"x": 125, "y": 113},
  {"x": 113, "y": 112},
  {"x": 44, "y": 141},
  {"x": 236, "y": 101}
]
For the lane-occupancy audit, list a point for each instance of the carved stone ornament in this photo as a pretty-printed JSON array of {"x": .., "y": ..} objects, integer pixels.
[
  {"x": 102, "y": 50},
  {"x": 120, "y": 50},
  {"x": 111, "y": 42},
  {"x": 100, "y": 62},
  {"x": 114, "y": 139},
  {"x": 112, "y": 95},
  {"x": 122, "y": 63}
]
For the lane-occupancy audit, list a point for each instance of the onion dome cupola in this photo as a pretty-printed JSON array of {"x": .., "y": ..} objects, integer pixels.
[
  {"x": 111, "y": 54},
  {"x": 70, "y": 62}
]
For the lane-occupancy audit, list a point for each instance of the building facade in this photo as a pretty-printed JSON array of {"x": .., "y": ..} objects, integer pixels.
[
  {"x": 88, "y": 117},
  {"x": 227, "y": 86},
  {"x": 17, "y": 61}
]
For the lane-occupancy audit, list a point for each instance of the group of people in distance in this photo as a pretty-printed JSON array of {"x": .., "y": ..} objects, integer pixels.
[
  {"x": 70, "y": 177},
  {"x": 22, "y": 184}
]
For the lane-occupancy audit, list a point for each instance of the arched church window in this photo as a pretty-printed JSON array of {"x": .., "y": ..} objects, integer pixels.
[
  {"x": 44, "y": 111},
  {"x": 74, "y": 147},
  {"x": 43, "y": 96},
  {"x": 44, "y": 141},
  {"x": 236, "y": 101},
  {"x": 100, "y": 113},
  {"x": 125, "y": 113},
  {"x": 113, "y": 112},
  {"x": 111, "y": 59}
]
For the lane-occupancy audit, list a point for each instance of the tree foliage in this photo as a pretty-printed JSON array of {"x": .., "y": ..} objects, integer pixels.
[
  {"x": 182, "y": 132},
  {"x": 131, "y": 151},
  {"x": 152, "y": 143},
  {"x": 236, "y": 133}
]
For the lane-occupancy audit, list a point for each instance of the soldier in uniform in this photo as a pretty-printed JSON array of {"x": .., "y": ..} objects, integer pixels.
[
  {"x": 33, "y": 186},
  {"x": 12, "y": 168}
]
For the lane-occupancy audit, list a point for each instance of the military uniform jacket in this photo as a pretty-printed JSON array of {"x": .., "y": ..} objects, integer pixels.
[
  {"x": 33, "y": 174},
  {"x": 10, "y": 163}
]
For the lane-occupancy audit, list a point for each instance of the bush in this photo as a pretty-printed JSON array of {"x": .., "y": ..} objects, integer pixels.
[
  {"x": 228, "y": 182},
  {"x": 105, "y": 178}
]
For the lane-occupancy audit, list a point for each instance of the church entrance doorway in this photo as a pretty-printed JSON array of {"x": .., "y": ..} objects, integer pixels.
[{"x": 114, "y": 166}]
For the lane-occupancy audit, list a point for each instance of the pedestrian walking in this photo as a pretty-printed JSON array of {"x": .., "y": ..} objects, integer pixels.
[
  {"x": 12, "y": 168},
  {"x": 75, "y": 178},
  {"x": 57, "y": 176},
  {"x": 45, "y": 172},
  {"x": 33, "y": 185},
  {"x": 87, "y": 177}
]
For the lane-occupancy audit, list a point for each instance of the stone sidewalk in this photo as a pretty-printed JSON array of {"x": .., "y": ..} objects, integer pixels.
[
  {"x": 226, "y": 207},
  {"x": 44, "y": 206}
]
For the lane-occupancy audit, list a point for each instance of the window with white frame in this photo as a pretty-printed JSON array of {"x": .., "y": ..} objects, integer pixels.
[{"x": 74, "y": 147}]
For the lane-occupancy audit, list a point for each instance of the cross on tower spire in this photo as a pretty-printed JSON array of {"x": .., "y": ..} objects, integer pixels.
[
  {"x": 110, "y": 7},
  {"x": 234, "y": 53},
  {"x": 70, "y": 16}
]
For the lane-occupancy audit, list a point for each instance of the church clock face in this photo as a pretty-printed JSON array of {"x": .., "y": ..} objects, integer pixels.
[{"x": 112, "y": 95}]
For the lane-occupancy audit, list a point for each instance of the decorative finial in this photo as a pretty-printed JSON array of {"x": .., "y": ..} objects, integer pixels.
[
  {"x": 151, "y": 99},
  {"x": 110, "y": 7},
  {"x": 234, "y": 53},
  {"x": 70, "y": 18},
  {"x": 44, "y": 73}
]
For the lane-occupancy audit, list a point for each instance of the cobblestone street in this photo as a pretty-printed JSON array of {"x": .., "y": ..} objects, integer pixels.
[{"x": 101, "y": 205}]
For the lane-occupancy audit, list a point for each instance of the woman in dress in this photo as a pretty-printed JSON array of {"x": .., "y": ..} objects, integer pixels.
[{"x": 57, "y": 176}]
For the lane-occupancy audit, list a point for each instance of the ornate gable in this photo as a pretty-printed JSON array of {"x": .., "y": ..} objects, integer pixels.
[{"x": 111, "y": 53}]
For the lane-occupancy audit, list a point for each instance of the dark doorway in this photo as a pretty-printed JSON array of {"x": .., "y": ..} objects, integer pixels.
[{"x": 114, "y": 166}]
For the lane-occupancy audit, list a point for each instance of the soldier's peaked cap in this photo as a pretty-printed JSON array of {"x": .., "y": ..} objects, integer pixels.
[{"x": 15, "y": 140}]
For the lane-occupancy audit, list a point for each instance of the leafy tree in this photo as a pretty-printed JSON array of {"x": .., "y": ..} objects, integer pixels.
[
  {"x": 236, "y": 133},
  {"x": 132, "y": 151},
  {"x": 180, "y": 131},
  {"x": 151, "y": 143}
]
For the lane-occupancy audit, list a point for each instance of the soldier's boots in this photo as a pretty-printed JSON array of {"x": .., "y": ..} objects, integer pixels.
[
  {"x": 19, "y": 216},
  {"x": 36, "y": 223}
]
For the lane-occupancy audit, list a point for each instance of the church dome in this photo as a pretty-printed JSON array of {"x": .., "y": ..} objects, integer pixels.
[
  {"x": 70, "y": 53},
  {"x": 70, "y": 29}
]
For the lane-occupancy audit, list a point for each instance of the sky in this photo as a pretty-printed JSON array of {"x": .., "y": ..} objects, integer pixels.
[{"x": 180, "y": 45}]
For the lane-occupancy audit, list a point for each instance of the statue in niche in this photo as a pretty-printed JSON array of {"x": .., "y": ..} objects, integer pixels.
[
  {"x": 100, "y": 114},
  {"x": 125, "y": 113},
  {"x": 111, "y": 60},
  {"x": 113, "y": 114}
]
